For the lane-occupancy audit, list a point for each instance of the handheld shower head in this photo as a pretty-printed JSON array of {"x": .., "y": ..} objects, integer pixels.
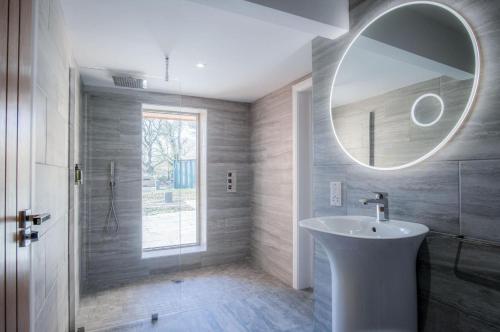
[
  {"x": 112, "y": 210},
  {"x": 112, "y": 172}
]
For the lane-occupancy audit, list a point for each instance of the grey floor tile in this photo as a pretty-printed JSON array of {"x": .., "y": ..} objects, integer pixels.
[{"x": 232, "y": 297}]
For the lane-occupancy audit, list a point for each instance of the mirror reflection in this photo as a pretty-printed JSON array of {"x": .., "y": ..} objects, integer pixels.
[{"x": 404, "y": 86}]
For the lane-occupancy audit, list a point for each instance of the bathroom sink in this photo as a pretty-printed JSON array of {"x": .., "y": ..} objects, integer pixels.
[
  {"x": 364, "y": 227},
  {"x": 373, "y": 267}
]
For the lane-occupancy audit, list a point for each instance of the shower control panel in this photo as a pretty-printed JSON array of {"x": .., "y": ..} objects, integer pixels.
[{"x": 231, "y": 182}]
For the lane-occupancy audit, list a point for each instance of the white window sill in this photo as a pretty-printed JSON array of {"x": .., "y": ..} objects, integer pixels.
[{"x": 173, "y": 251}]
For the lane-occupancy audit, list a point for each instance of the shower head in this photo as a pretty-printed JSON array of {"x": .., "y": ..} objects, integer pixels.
[{"x": 128, "y": 81}]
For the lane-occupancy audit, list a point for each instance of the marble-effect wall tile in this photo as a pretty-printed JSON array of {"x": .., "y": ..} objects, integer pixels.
[
  {"x": 113, "y": 131},
  {"x": 455, "y": 192},
  {"x": 272, "y": 183},
  {"x": 480, "y": 197}
]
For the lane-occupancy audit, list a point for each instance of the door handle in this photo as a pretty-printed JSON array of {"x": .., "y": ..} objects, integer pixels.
[
  {"x": 37, "y": 219},
  {"x": 28, "y": 236},
  {"x": 26, "y": 219}
]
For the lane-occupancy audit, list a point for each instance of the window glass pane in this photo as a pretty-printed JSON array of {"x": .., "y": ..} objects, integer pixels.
[{"x": 170, "y": 183}]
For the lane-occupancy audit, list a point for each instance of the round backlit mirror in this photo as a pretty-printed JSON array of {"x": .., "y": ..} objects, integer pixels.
[{"x": 404, "y": 85}]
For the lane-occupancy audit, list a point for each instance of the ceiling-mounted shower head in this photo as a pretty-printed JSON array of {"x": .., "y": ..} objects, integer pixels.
[{"x": 128, "y": 81}]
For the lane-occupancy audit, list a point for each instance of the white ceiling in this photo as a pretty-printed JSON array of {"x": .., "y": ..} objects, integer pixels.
[{"x": 245, "y": 58}]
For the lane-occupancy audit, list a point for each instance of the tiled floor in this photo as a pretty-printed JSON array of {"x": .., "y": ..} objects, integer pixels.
[{"x": 235, "y": 297}]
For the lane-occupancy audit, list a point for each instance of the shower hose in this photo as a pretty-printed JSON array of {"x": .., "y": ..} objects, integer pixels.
[{"x": 112, "y": 212}]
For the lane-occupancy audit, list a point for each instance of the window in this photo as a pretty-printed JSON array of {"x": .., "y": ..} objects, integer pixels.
[{"x": 170, "y": 184}]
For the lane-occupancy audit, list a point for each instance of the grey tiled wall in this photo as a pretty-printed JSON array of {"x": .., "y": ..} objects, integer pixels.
[
  {"x": 271, "y": 159},
  {"x": 113, "y": 131},
  {"x": 455, "y": 192}
]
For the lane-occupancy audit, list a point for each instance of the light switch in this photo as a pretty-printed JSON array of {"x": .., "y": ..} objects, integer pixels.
[
  {"x": 231, "y": 182},
  {"x": 335, "y": 193}
]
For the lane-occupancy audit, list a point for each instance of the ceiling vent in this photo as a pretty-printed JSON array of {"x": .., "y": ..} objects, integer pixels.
[{"x": 127, "y": 81}]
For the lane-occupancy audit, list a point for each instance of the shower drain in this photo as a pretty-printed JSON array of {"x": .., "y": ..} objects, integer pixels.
[{"x": 177, "y": 281}]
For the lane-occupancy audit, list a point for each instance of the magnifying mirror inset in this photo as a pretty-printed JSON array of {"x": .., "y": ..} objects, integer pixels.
[{"x": 404, "y": 85}]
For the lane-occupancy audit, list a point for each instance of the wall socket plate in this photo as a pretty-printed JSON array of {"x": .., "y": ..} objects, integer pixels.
[
  {"x": 231, "y": 182},
  {"x": 335, "y": 193}
]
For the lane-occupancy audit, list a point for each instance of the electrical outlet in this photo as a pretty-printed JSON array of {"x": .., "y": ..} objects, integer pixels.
[
  {"x": 231, "y": 182},
  {"x": 335, "y": 193}
]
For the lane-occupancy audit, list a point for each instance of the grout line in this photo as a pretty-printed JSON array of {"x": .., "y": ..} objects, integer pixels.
[
  {"x": 460, "y": 198},
  {"x": 46, "y": 111},
  {"x": 427, "y": 162},
  {"x": 468, "y": 239}
]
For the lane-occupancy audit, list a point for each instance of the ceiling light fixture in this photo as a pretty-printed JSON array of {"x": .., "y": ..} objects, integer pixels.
[{"x": 200, "y": 65}]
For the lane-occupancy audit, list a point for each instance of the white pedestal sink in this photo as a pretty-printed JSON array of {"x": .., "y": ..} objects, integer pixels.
[{"x": 373, "y": 267}]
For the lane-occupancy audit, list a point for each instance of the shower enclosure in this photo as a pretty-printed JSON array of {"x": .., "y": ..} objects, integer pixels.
[{"x": 140, "y": 204}]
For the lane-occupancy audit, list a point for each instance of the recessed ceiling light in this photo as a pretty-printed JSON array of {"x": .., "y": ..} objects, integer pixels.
[{"x": 200, "y": 65}]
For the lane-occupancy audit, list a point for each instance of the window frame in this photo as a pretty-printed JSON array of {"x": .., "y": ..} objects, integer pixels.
[{"x": 200, "y": 244}]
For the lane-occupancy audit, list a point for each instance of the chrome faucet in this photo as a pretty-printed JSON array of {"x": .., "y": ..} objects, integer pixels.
[{"x": 382, "y": 201}]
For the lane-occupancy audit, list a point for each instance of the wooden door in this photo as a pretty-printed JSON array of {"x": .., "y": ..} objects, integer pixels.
[{"x": 15, "y": 163}]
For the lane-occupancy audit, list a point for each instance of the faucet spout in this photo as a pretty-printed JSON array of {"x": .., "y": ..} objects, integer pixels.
[
  {"x": 366, "y": 201},
  {"x": 382, "y": 202}
]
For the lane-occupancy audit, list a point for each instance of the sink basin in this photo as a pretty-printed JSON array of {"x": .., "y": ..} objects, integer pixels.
[{"x": 373, "y": 267}]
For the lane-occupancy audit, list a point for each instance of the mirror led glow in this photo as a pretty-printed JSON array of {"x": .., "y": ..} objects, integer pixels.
[{"x": 417, "y": 50}]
